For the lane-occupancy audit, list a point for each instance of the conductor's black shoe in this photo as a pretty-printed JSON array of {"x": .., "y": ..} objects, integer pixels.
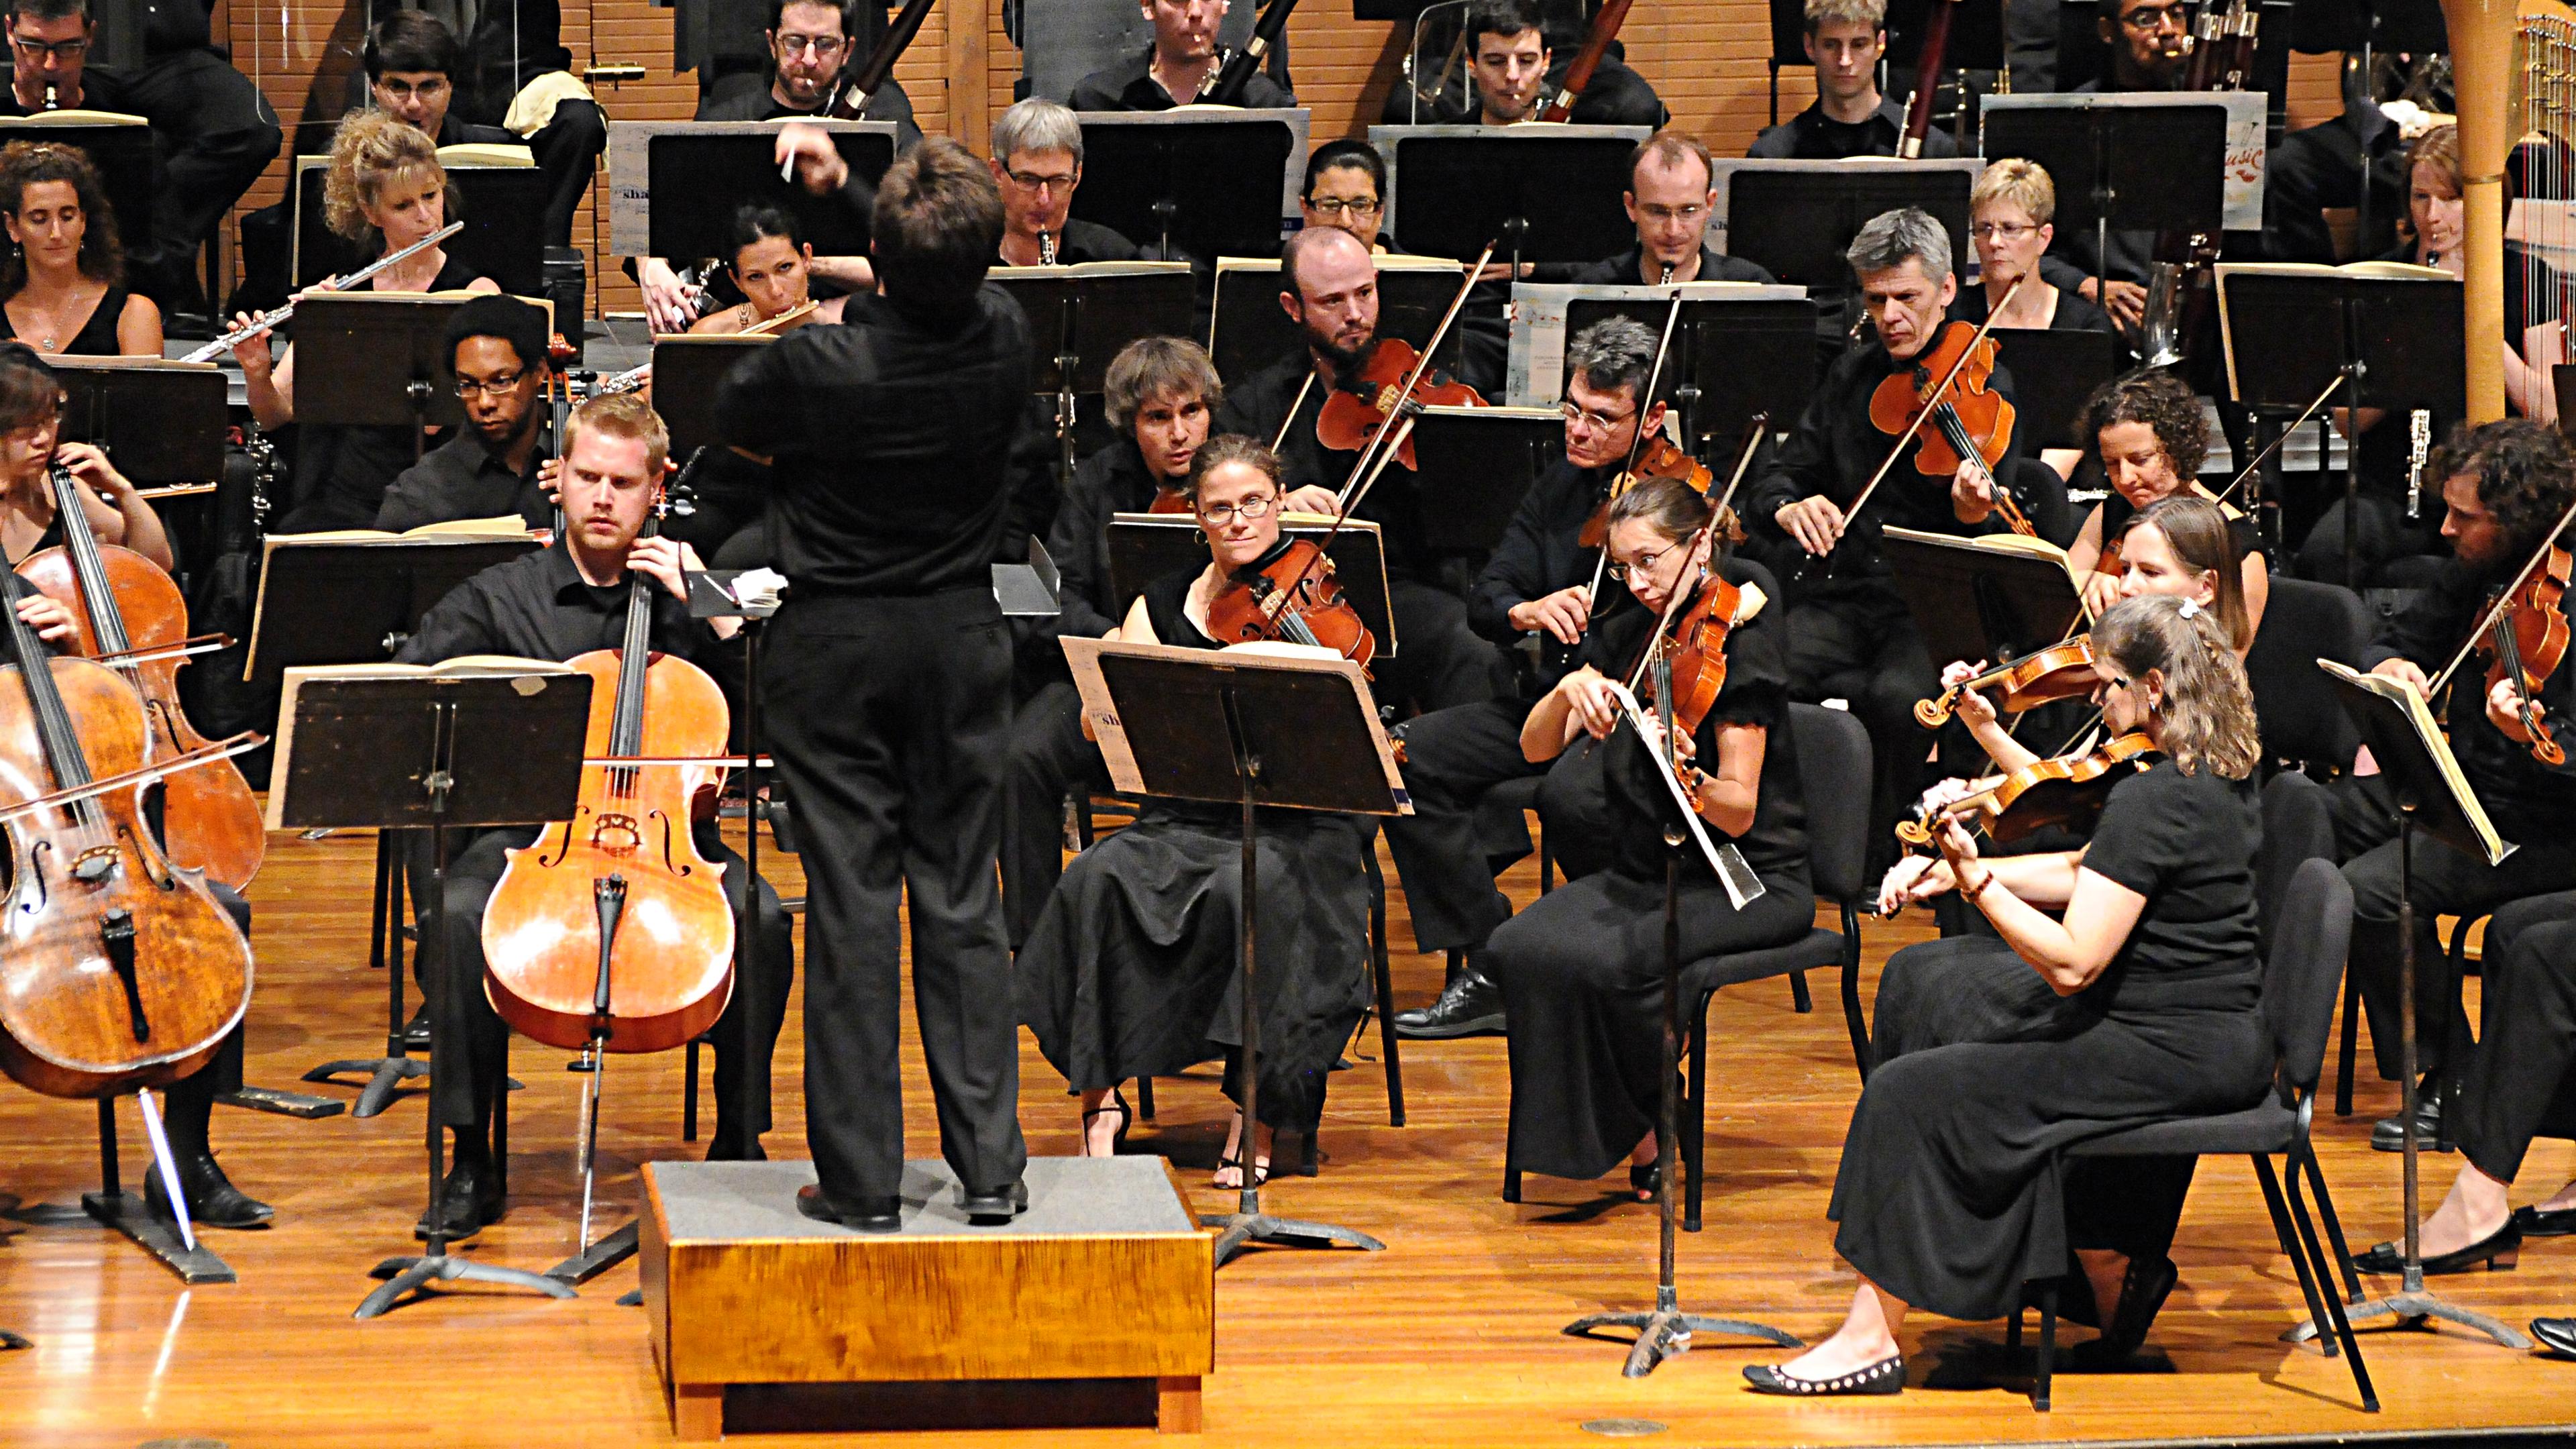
[
  {"x": 2384, "y": 1135},
  {"x": 474, "y": 1200},
  {"x": 996, "y": 1207},
  {"x": 213, "y": 1201},
  {"x": 1887, "y": 1376},
  {"x": 2497, "y": 1251},
  {"x": 865, "y": 1214},
  {"x": 1470, "y": 1005},
  {"x": 2540, "y": 1222},
  {"x": 2558, "y": 1335}
]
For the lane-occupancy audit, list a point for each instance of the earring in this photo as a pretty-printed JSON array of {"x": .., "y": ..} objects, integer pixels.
[{"x": 1200, "y": 534}]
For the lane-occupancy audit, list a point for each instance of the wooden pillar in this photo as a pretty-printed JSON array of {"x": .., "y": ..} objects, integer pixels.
[{"x": 969, "y": 107}]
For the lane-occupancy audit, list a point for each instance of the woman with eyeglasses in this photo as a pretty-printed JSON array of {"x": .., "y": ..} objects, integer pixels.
[
  {"x": 2012, "y": 215},
  {"x": 1582, "y": 967},
  {"x": 64, "y": 276},
  {"x": 2135, "y": 1002},
  {"x": 1132, "y": 967}
]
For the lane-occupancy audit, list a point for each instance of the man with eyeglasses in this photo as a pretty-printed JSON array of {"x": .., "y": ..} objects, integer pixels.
[
  {"x": 2146, "y": 40},
  {"x": 1672, "y": 194},
  {"x": 1179, "y": 63},
  {"x": 812, "y": 45},
  {"x": 1845, "y": 39},
  {"x": 1540, "y": 583},
  {"x": 413, "y": 64},
  {"x": 1346, "y": 187},
  {"x": 496, "y": 351},
  {"x": 49, "y": 44},
  {"x": 1037, "y": 163}
]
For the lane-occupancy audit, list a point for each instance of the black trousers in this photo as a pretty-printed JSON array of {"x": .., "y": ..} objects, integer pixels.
[
  {"x": 1048, "y": 758},
  {"x": 2519, "y": 1083},
  {"x": 465, "y": 1079},
  {"x": 215, "y": 134},
  {"x": 191, "y": 1099},
  {"x": 1438, "y": 661},
  {"x": 1453, "y": 757},
  {"x": 890, "y": 719},
  {"x": 1574, "y": 810},
  {"x": 1862, "y": 647},
  {"x": 567, "y": 153}
]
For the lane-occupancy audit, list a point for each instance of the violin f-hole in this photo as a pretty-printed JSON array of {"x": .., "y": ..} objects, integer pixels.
[{"x": 670, "y": 862}]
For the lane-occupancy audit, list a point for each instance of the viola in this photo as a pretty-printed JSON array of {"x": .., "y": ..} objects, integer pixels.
[
  {"x": 2527, "y": 640},
  {"x": 1365, "y": 400},
  {"x": 1169, "y": 500},
  {"x": 1289, "y": 596},
  {"x": 1686, "y": 661},
  {"x": 117, "y": 969},
  {"x": 2060, "y": 671},
  {"x": 123, "y": 603},
  {"x": 1968, "y": 421},
  {"x": 612, "y": 932},
  {"x": 2058, "y": 791},
  {"x": 1661, "y": 458}
]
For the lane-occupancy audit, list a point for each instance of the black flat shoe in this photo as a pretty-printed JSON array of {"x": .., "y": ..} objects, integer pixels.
[
  {"x": 2142, "y": 1296},
  {"x": 474, "y": 1201},
  {"x": 2558, "y": 1335},
  {"x": 1469, "y": 1005},
  {"x": 866, "y": 1214},
  {"x": 1126, "y": 1118},
  {"x": 2384, "y": 1136},
  {"x": 2497, "y": 1252},
  {"x": 1646, "y": 1179},
  {"x": 213, "y": 1201},
  {"x": 995, "y": 1207},
  {"x": 2537, "y": 1222},
  {"x": 1887, "y": 1376}
]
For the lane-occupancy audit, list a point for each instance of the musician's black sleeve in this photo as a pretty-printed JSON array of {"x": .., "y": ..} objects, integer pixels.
[
  {"x": 1516, "y": 574},
  {"x": 455, "y": 626},
  {"x": 1802, "y": 468},
  {"x": 1036, "y": 492}
]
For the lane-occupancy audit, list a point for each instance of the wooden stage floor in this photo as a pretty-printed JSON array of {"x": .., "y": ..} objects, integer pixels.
[{"x": 1451, "y": 1336}]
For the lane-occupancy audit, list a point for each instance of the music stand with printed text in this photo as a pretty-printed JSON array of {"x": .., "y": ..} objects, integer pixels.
[
  {"x": 1738, "y": 349},
  {"x": 503, "y": 208},
  {"x": 1477, "y": 464},
  {"x": 713, "y": 169},
  {"x": 2136, "y": 162},
  {"x": 1248, "y": 329},
  {"x": 1551, "y": 193},
  {"x": 415, "y": 751},
  {"x": 1091, "y": 311},
  {"x": 1144, "y": 547},
  {"x": 1202, "y": 181},
  {"x": 1259, "y": 732}
]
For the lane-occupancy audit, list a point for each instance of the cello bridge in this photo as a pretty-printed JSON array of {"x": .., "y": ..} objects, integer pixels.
[
  {"x": 93, "y": 866},
  {"x": 616, "y": 835}
]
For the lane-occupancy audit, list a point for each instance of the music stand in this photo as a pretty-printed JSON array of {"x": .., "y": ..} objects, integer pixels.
[
  {"x": 161, "y": 422},
  {"x": 687, "y": 371},
  {"x": 1737, "y": 350},
  {"x": 421, "y": 750},
  {"x": 1477, "y": 463},
  {"x": 2115, "y": 160},
  {"x": 1144, "y": 547},
  {"x": 1029, "y": 590},
  {"x": 1262, "y": 732},
  {"x": 1206, "y": 182},
  {"x": 503, "y": 208},
  {"x": 714, "y": 168},
  {"x": 1092, "y": 311},
  {"x": 2052, "y": 374},
  {"x": 1248, "y": 330},
  {"x": 376, "y": 359},
  {"x": 1980, "y": 603},
  {"x": 1550, "y": 192},
  {"x": 120, "y": 146},
  {"x": 2394, "y": 337},
  {"x": 1795, "y": 219}
]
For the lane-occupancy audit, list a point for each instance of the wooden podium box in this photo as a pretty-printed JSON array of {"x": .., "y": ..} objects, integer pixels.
[{"x": 1097, "y": 1305}]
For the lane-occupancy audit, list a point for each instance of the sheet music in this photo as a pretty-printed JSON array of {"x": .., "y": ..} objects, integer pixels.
[{"x": 1743, "y": 886}]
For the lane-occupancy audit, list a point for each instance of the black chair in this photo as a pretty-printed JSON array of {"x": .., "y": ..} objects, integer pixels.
[
  {"x": 2303, "y": 723},
  {"x": 2044, "y": 501},
  {"x": 2306, "y": 961}
]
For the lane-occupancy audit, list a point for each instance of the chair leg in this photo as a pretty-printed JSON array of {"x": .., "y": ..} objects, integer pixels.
[
  {"x": 689, "y": 1094},
  {"x": 2043, "y": 1383},
  {"x": 1384, "y": 984},
  {"x": 2012, "y": 1330},
  {"x": 1145, "y": 1098},
  {"x": 1694, "y": 1123},
  {"x": 1080, "y": 806},
  {"x": 1511, "y": 1163},
  {"x": 2341, "y": 1321},
  {"x": 2334, "y": 1223},
  {"x": 2351, "y": 1045},
  {"x": 1798, "y": 996},
  {"x": 2309, "y": 1287},
  {"x": 1853, "y": 1020}
]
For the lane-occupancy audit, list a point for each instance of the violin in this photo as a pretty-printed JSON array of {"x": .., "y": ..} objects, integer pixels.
[
  {"x": 611, "y": 932},
  {"x": 2060, "y": 671},
  {"x": 1969, "y": 421},
  {"x": 2058, "y": 791},
  {"x": 1661, "y": 458},
  {"x": 1364, "y": 401},
  {"x": 122, "y": 603},
  {"x": 2527, "y": 639},
  {"x": 117, "y": 969},
  {"x": 1685, "y": 663},
  {"x": 1289, "y": 596},
  {"x": 1169, "y": 500}
]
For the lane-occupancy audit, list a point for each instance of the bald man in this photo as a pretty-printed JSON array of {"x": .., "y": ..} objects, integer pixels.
[{"x": 1329, "y": 289}]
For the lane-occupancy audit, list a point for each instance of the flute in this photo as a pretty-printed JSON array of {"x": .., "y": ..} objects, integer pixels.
[{"x": 271, "y": 318}]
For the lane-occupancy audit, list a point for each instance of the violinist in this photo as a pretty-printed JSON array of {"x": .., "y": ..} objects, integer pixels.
[
  {"x": 2139, "y": 1004},
  {"x": 1850, "y": 633},
  {"x": 1582, "y": 968},
  {"x": 2150, "y": 438},
  {"x": 1671, "y": 198},
  {"x": 570, "y": 599},
  {"x": 1329, "y": 286},
  {"x": 496, "y": 352},
  {"x": 1037, "y": 162},
  {"x": 1160, "y": 392},
  {"x": 1539, "y": 583},
  {"x": 2504, "y": 486},
  {"x": 773, "y": 267},
  {"x": 1179, "y": 64},
  {"x": 1131, "y": 969},
  {"x": 1845, "y": 40},
  {"x": 63, "y": 279}
]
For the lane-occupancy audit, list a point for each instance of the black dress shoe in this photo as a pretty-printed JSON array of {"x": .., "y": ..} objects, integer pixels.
[
  {"x": 2142, "y": 1296},
  {"x": 866, "y": 1214},
  {"x": 2538, "y": 1222},
  {"x": 213, "y": 1201},
  {"x": 415, "y": 1032},
  {"x": 2558, "y": 1335},
  {"x": 2384, "y": 1136},
  {"x": 474, "y": 1200},
  {"x": 1887, "y": 1376},
  {"x": 2496, "y": 1252},
  {"x": 1470, "y": 1005},
  {"x": 997, "y": 1206}
]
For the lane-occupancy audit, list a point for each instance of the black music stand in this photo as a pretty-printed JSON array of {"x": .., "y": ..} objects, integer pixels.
[
  {"x": 1202, "y": 183},
  {"x": 1248, "y": 330},
  {"x": 503, "y": 208},
  {"x": 686, "y": 373},
  {"x": 2413, "y": 756},
  {"x": 376, "y": 359},
  {"x": 162, "y": 423},
  {"x": 1795, "y": 219},
  {"x": 720, "y": 173},
  {"x": 2116, "y": 165},
  {"x": 2052, "y": 374},
  {"x": 1477, "y": 463},
  {"x": 1144, "y": 547},
  {"x": 412, "y": 751},
  {"x": 1262, "y": 733},
  {"x": 1552, "y": 193},
  {"x": 2395, "y": 341},
  {"x": 1978, "y": 603},
  {"x": 1093, "y": 311},
  {"x": 1731, "y": 358}
]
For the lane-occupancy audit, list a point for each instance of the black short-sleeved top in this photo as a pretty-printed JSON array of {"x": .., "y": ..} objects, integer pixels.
[
  {"x": 2117, "y": 510},
  {"x": 1165, "y": 601},
  {"x": 2186, "y": 843},
  {"x": 1756, "y": 693}
]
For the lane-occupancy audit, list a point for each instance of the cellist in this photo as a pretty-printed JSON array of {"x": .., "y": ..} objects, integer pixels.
[{"x": 566, "y": 600}]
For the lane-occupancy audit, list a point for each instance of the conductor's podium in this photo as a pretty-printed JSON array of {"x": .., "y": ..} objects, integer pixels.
[{"x": 1096, "y": 1306}]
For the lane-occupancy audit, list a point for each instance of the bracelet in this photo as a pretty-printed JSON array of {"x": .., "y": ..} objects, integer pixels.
[{"x": 1971, "y": 896}]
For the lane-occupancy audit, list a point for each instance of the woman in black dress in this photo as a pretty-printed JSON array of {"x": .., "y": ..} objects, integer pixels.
[
  {"x": 63, "y": 276},
  {"x": 2139, "y": 1006},
  {"x": 1582, "y": 969},
  {"x": 1132, "y": 968}
]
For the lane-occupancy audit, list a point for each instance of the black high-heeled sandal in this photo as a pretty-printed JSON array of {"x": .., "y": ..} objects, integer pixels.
[
  {"x": 1126, "y": 1119},
  {"x": 1260, "y": 1174}
]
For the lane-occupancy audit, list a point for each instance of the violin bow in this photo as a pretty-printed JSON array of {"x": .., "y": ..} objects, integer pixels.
[
  {"x": 2274, "y": 446},
  {"x": 2495, "y": 610}
]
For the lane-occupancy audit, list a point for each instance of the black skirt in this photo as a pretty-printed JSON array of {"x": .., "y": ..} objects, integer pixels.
[{"x": 1134, "y": 967}]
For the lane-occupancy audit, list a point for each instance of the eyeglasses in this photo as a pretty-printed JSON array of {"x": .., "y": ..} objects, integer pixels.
[
  {"x": 60, "y": 50},
  {"x": 468, "y": 387},
  {"x": 1034, "y": 181},
  {"x": 1336, "y": 206},
  {"x": 821, "y": 45},
  {"x": 1597, "y": 422},
  {"x": 1221, "y": 514},
  {"x": 430, "y": 89},
  {"x": 1645, "y": 563},
  {"x": 1651, "y": 211},
  {"x": 2155, "y": 17},
  {"x": 2002, "y": 231}
]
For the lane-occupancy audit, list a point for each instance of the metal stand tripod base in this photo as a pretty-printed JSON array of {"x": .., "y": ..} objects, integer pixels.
[
  {"x": 125, "y": 1213},
  {"x": 10, "y": 1341},
  {"x": 1666, "y": 1333},
  {"x": 596, "y": 1259},
  {"x": 1252, "y": 1225},
  {"x": 384, "y": 1075},
  {"x": 2412, "y": 1310},
  {"x": 407, "y": 1277},
  {"x": 284, "y": 1104}
]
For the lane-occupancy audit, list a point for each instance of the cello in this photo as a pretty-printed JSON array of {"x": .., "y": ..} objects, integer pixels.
[{"x": 122, "y": 603}]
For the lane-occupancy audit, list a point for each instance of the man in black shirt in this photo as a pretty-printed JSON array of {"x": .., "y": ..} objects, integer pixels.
[
  {"x": 1845, "y": 39},
  {"x": 1037, "y": 163},
  {"x": 49, "y": 45},
  {"x": 901, "y": 446},
  {"x": 2147, "y": 40},
  {"x": 1850, "y": 633},
  {"x": 569, "y": 600},
  {"x": 1330, "y": 283},
  {"x": 1541, "y": 582},
  {"x": 1160, "y": 393},
  {"x": 2505, "y": 485},
  {"x": 496, "y": 350},
  {"x": 1179, "y": 64},
  {"x": 811, "y": 46},
  {"x": 1671, "y": 197}
]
